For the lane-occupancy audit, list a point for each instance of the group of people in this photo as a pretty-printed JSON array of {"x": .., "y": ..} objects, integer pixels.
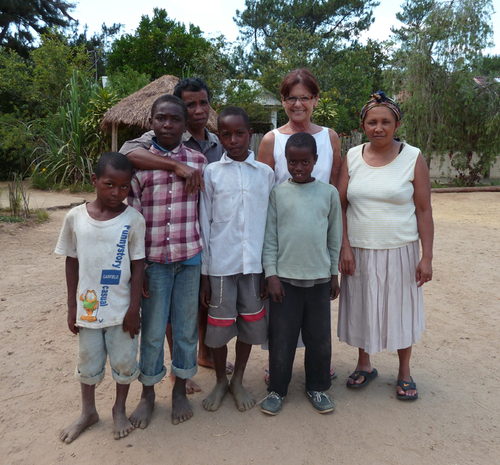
[{"x": 216, "y": 244}]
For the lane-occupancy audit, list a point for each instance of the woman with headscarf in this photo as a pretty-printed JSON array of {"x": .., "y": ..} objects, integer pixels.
[{"x": 384, "y": 189}]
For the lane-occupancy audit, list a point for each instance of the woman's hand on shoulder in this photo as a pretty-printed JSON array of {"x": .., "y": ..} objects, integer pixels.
[{"x": 266, "y": 150}]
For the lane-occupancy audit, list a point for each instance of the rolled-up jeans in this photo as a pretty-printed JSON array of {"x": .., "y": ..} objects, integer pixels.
[{"x": 173, "y": 289}]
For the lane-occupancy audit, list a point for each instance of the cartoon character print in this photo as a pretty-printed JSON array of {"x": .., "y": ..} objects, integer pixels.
[{"x": 90, "y": 304}]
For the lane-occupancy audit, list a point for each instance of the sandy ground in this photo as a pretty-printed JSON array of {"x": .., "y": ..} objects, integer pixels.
[{"x": 456, "y": 366}]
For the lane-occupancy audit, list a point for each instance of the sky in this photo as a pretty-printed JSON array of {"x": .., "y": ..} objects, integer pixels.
[{"x": 215, "y": 17}]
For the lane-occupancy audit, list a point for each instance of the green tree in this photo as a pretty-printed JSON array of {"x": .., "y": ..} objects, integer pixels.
[
  {"x": 159, "y": 46},
  {"x": 97, "y": 46},
  {"x": 31, "y": 89},
  {"x": 22, "y": 21},
  {"x": 445, "y": 110},
  {"x": 245, "y": 94},
  {"x": 263, "y": 20},
  {"x": 292, "y": 32},
  {"x": 319, "y": 35},
  {"x": 15, "y": 81},
  {"x": 126, "y": 81},
  {"x": 349, "y": 77},
  {"x": 53, "y": 65},
  {"x": 489, "y": 66}
]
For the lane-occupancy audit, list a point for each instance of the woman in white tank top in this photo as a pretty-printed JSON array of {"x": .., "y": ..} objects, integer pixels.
[{"x": 299, "y": 97}]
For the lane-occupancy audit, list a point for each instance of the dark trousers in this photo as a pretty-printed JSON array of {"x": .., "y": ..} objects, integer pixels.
[{"x": 306, "y": 308}]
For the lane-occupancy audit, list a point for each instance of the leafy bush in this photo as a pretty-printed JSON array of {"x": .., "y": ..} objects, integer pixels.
[
  {"x": 126, "y": 81},
  {"x": 65, "y": 155},
  {"x": 325, "y": 114},
  {"x": 17, "y": 145}
]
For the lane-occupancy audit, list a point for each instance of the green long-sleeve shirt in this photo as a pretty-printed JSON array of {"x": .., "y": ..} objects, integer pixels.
[{"x": 303, "y": 231}]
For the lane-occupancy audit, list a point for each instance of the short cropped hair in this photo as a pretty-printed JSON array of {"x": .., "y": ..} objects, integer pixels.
[
  {"x": 172, "y": 99},
  {"x": 116, "y": 160},
  {"x": 234, "y": 111},
  {"x": 299, "y": 76},
  {"x": 302, "y": 140},
  {"x": 192, "y": 84}
]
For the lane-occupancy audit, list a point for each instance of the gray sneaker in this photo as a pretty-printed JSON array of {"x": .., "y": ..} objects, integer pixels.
[
  {"x": 321, "y": 401},
  {"x": 272, "y": 403}
]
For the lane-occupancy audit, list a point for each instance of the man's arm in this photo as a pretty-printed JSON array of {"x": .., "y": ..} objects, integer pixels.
[
  {"x": 72, "y": 277},
  {"x": 144, "y": 142},
  {"x": 138, "y": 153}
]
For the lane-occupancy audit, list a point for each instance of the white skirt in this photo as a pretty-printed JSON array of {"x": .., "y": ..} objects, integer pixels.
[{"x": 380, "y": 305}]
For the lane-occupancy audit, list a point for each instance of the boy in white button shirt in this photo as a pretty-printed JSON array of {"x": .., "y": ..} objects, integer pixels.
[{"x": 233, "y": 212}]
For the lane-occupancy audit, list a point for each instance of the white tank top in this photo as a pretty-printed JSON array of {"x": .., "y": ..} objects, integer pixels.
[
  {"x": 381, "y": 210},
  {"x": 323, "y": 167}
]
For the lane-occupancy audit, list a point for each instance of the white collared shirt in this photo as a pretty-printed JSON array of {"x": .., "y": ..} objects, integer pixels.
[{"x": 233, "y": 212}]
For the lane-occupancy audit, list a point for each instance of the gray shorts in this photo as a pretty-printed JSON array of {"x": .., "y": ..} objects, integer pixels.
[
  {"x": 94, "y": 345},
  {"x": 236, "y": 310}
]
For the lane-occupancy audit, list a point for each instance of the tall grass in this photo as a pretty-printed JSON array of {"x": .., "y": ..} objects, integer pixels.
[{"x": 65, "y": 155}]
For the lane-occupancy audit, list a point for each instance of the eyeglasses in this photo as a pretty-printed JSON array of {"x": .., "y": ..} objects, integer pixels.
[{"x": 292, "y": 100}]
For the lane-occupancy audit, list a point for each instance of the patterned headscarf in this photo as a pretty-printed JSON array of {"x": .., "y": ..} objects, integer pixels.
[{"x": 380, "y": 99}]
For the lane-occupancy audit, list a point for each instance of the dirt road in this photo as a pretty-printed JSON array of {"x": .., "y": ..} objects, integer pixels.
[{"x": 456, "y": 366}]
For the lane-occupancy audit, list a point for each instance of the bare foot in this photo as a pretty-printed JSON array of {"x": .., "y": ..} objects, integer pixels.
[
  {"x": 191, "y": 386},
  {"x": 122, "y": 424},
  {"x": 181, "y": 408},
  {"x": 205, "y": 361},
  {"x": 214, "y": 399},
  {"x": 141, "y": 416},
  {"x": 244, "y": 401},
  {"x": 208, "y": 362},
  {"x": 69, "y": 434}
]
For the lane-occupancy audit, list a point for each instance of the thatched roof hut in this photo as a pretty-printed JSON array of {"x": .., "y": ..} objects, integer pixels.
[{"x": 135, "y": 109}]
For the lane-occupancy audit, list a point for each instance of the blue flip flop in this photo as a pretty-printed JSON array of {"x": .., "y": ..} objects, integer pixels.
[
  {"x": 368, "y": 378},
  {"x": 406, "y": 386}
]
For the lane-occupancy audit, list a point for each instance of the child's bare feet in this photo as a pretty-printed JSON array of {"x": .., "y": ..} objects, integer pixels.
[
  {"x": 181, "y": 408},
  {"x": 69, "y": 434},
  {"x": 191, "y": 386},
  {"x": 214, "y": 399},
  {"x": 122, "y": 424},
  {"x": 244, "y": 401},
  {"x": 141, "y": 416}
]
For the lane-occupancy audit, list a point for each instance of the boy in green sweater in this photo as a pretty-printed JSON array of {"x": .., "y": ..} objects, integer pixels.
[{"x": 300, "y": 258}]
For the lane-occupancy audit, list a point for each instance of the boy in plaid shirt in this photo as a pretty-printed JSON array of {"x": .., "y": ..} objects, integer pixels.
[{"x": 173, "y": 257}]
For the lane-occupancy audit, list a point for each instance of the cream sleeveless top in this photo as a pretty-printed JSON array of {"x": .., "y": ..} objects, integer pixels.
[
  {"x": 323, "y": 167},
  {"x": 381, "y": 211}
]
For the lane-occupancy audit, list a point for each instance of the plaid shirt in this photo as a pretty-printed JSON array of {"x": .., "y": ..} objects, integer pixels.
[{"x": 172, "y": 227}]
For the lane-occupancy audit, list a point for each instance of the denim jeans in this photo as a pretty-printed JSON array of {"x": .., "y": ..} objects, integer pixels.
[
  {"x": 173, "y": 290},
  {"x": 306, "y": 308}
]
